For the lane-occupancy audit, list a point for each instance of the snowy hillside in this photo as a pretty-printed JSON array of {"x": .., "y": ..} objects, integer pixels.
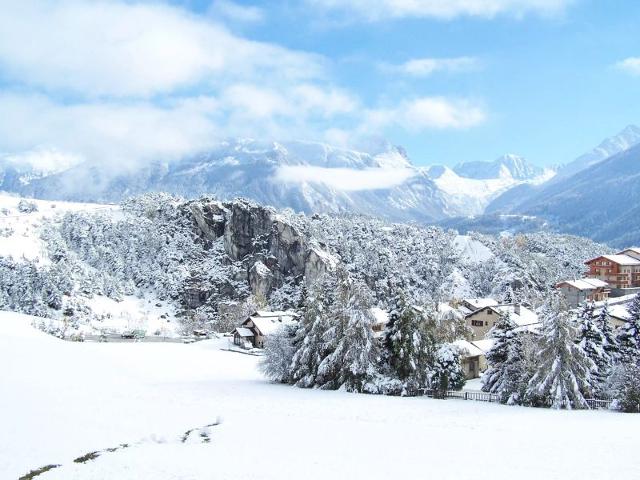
[
  {"x": 169, "y": 266},
  {"x": 23, "y": 244},
  {"x": 155, "y": 402},
  {"x": 466, "y": 195}
]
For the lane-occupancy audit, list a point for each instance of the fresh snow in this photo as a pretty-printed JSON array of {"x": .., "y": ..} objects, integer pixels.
[
  {"x": 19, "y": 232},
  {"x": 472, "y": 250},
  {"x": 470, "y": 196},
  {"x": 61, "y": 400}
]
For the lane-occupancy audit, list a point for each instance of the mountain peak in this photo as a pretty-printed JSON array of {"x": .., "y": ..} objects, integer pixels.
[
  {"x": 508, "y": 165},
  {"x": 628, "y": 137}
]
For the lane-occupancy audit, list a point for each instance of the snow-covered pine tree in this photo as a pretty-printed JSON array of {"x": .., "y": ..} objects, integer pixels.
[
  {"x": 354, "y": 350},
  {"x": 564, "y": 370},
  {"x": 310, "y": 342},
  {"x": 603, "y": 321},
  {"x": 626, "y": 388},
  {"x": 505, "y": 375},
  {"x": 447, "y": 372},
  {"x": 591, "y": 339},
  {"x": 629, "y": 334},
  {"x": 409, "y": 348}
]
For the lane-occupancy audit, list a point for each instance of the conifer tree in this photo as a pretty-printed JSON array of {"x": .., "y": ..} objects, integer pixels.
[
  {"x": 591, "y": 340},
  {"x": 506, "y": 373},
  {"x": 409, "y": 348},
  {"x": 351, "y": 362},
  {"x": 564, "y": 370},
  {"x": 310, "y": 336},
  {"x": 629, "y": 334},
  {"x": 447, "y": 372},
  {"x": 603, "y": 321}
]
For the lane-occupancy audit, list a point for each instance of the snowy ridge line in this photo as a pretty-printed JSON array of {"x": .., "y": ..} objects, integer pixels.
[
  {"x": 203, "y": 436},
  {"x": 107, "y": 207}
]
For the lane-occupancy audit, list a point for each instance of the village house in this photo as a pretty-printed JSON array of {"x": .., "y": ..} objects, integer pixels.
[
  {"x": 621, "y": 271},
  {"x": 254, "y": 330},
  {"x": 483, "y": 320},
  {"x": 473, "y": 356},
  {"x": 469, "y": 305},
  {"x": 585, "y": 290},
  {"x": 618, "y": 309}
]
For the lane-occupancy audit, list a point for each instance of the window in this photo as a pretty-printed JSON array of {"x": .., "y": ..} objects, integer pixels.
[
  {"x": 489, "y": 312},
  {"x": 477, "y": 323},
  {"x": 486, "y": 324}
]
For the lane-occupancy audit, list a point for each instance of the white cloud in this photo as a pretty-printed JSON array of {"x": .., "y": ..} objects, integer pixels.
[
  {"x": 630, "y": 65},
  {"x": 44, "y": 159},
  {"x": 427, "y": 113},
  {"x": 236, "y": 12},
  {"x": 122, "y": 83},
  {"x": 123, "y": 49},
  {"x": 423, "y": 67},
  {"x": 442, "y": 9},
  {"x": 121, "y": 134},
  {"x": 344, "y": 179}
]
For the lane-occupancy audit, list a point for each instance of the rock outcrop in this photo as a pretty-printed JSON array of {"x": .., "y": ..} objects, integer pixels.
[{"x": 271, "y": 248}]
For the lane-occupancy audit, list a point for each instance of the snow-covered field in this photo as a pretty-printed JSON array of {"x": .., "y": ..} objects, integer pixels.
[{"x": 62, "y": 400}]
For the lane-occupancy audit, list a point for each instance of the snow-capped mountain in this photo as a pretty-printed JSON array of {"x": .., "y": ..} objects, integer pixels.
[
  {"x": 470, "y": 195},
  {"x": 625, "y": 139},
  {"x": 507, "y": 166},
  {"x": 310, "y": 177},
  {"x": 306, "y": 176}
]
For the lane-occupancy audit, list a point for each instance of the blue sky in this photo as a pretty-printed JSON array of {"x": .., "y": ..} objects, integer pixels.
[{"x": 449, "y": 80}]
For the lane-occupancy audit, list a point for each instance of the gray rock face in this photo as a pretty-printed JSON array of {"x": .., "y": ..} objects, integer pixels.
[
  {"x": 210, "y": 218},
  {"x": 261, "y": 279},
  {"x": 247, "y": 226},
  {"x": 272, "y": 249}
]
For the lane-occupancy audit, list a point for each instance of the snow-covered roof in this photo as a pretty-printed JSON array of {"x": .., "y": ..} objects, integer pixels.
[
  {"x": 484, "y": 345},
  {"x": 585, "y": 283},
  {"x": 467, "y": 348},
  {"x": 522, "y": 316},
  {"x": 381, "y": 317},
  {"x": 630, "y": 249},
  {"x": 244, "y": 332},
  {"x": 479, "y": 303},
  {"x": 268, "y": 322},
  {"x": 619, "y": 259},
  {"x": 474, "y": 348}
]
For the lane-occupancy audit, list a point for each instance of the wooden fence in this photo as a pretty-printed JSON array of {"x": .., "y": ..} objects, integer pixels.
[{"x": 594, "y": 403}]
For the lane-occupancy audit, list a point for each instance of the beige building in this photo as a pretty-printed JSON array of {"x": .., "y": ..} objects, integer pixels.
[
  {"x": 483, "y": 320},
  {"x": 473, "y": 355},
  {"x": 260, "y": 325}
]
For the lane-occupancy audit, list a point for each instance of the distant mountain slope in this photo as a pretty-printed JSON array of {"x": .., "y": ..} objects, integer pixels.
[
  {"x": 516, "y": 200},
  {"x": 625, "y": 139},
  {"x": 467, "y": 195},
  {"x": 305, "y": 176},
  {"x": 601, "y": 201},
  {"x": 507, "y": 166}
]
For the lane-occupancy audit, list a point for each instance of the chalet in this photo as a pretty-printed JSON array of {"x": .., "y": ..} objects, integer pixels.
[
  {"x": 620, "y": 271},
  {"x": 483, "y": 320},
  {"x": 585, "y": 290},
  {"x": 474, "y": 359},
  {"x": 618, "y": 309},
  {"x": 469, "y": 305},
  {"x": 260, "y": 325}
]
